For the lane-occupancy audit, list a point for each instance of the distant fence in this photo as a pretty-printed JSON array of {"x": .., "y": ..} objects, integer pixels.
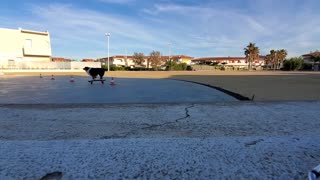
[
  {"x": 230, "y": 67},
  {"x": 203, "y": 67},
  {"x": 32, "y": 65}
]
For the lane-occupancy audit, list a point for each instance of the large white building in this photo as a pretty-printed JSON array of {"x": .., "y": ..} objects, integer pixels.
[
  {"x": 235, "y": 62},
  {"x": 19, "y": 46},
  {"x": 127, "y": 61}
]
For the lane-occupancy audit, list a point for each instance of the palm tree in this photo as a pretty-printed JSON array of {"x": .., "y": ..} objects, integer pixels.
[
  {"x": 282, "y": 54},
  {"x": 273, "y": 57},
  {"x": 268, "y": 61},
  {"x": 252, "y": 53}
]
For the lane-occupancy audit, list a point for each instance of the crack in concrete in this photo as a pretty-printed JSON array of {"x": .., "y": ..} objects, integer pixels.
[
  {"x": 125, "y": 135},
  {"x": 253, "y": 142},
  {"x": 175, "y": 121}
]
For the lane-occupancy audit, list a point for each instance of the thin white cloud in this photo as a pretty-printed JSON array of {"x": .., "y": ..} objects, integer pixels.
[
  {"x": 198, "y": 30},
  {"x": 81, "y": 26},
  {"x": 217, "y": 27},
  {"x": 118, "y": 1}
]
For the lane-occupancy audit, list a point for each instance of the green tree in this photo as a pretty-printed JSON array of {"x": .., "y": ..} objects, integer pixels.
[
  {"x": 273, "y": 58},
  {"x": 138, "y": 58},
  {"x": 252, "y": 53},
  {"x": 293, "y": 64},
  {"x": 176, "y": 66},
  {"x": 276, "y": 58},
  {"x": 268, "y": 61},
  {"x": 281, "y": 56}
]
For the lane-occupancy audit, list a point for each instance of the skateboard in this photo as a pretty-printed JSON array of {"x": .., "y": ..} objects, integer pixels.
[{"x": 101, "y": 80}]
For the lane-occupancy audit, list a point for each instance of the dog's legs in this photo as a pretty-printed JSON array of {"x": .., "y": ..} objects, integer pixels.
[{"x": 101, "y": 75}]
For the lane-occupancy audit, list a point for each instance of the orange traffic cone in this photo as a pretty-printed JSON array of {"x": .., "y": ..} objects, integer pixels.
[
  {"x": 112, "y": 83},
  {"x": 52, "y": 78},
  {"x": 40, "y": 75},
  {"x": 72, "y": 79}
]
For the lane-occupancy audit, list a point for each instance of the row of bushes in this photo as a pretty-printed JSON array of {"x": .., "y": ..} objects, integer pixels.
[
  {"x": 294, "y": 64},
  {"x": 174, "y": 66}
]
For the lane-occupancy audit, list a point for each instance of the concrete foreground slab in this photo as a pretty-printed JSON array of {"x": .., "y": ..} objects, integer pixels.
[
  {"x": 106, "y": 121},
  {"x": 289, "y": 157},
  {"x": 241, "y": 140}
]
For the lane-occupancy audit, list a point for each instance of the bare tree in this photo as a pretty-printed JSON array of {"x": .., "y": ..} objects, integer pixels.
[
  {"x": 138, "y": 58},
  {"x": 155, "y": 59}
]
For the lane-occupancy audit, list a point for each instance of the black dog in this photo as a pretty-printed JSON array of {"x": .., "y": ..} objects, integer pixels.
[{"x": 94, "y": 72}]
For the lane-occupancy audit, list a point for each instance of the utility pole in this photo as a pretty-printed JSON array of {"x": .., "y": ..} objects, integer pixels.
[
  {"x": 169, "y": 56},
  {"x": 108, "y": 36},
  {"x": 126, "y": 58}
]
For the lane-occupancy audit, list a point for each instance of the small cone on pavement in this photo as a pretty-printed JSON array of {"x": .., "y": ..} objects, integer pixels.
[
  {"x": 71, "y": 79},
  {"x": 52, "y": 78},
  {"x": 112, "y": 83},
  {"x": 40, "y": 75}
]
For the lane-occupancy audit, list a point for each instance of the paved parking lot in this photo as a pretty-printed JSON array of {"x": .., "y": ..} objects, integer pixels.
[
  {"x": 35, "y": 90},
  {"x": 177, "y": 130}
]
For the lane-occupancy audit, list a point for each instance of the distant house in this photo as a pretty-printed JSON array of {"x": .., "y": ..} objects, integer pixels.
[
  {"x": 20, "y": 45},
  {"x": 59, "y": 59},
  {"x": 119, "y": 60},
  {"x": 88, "y": 60},
  {"x": 307, "y": 58},
  {"x": 127, "y": 61},
  {"x": 237, "y": 62},
  {"x": 180, "y": 58}
]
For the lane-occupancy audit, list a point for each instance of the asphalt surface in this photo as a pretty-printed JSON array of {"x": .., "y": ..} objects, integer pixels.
[
  {"x": 150, "y": 129},
  {"x": 35, "y": 90}
]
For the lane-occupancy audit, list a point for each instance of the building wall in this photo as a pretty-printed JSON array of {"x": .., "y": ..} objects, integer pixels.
[
  {"x": 24, "y": 45},
  {"x": 307, "y": 59},
  {"x": 40, "y": 44},
  {"x": 185, "y": 60},
  {"x": 36, "y": 65},
  {"x": 122, "y": 61},
  {"x": 10, "y": 44},
  {"x": 37, "y": 59}
]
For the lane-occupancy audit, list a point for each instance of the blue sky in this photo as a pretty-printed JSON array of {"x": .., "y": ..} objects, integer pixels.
[{"x": 196, "y": 28}]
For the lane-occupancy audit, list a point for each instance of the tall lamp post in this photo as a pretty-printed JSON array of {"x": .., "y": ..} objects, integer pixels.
[
  {"x": 108, "y": 36},
  {"x": 169, "y": 56}
]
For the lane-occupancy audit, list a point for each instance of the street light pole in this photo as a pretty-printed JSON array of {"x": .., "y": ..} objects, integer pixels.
[
  {"x": 108, "y": 36},
  {"x": 169, "y": 56}
]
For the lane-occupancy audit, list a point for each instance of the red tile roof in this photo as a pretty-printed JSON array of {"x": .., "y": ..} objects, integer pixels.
[
  {"x": 59, "y": 59},
  {"x": 312, "y": 53},
  {"x": 218, "y": 58},
  {"x": 87, "y": 60},
  {"x": 223, "y": 58}
]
